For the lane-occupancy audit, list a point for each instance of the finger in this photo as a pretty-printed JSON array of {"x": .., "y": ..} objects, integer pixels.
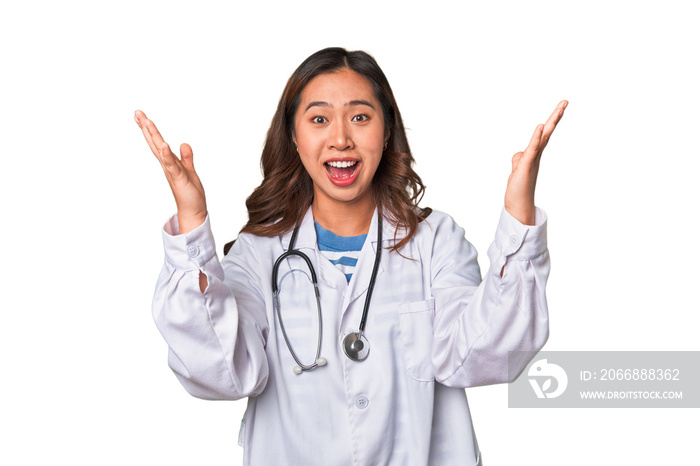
[
  {"x": 186, "y": 156},
  {"x": 141, "y": 119},
  {"x": 138, "y": 116},
  {"x": 152, "y": 135},
  {"x": 552, "y": 122},
  {"x": 533, "y": 147},
  {"x": 143, "y": 123},
  {"x": 170, "y": 162}
]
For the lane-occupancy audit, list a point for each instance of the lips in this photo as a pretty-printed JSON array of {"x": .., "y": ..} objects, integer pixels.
[{"x": 342, "y": 172}]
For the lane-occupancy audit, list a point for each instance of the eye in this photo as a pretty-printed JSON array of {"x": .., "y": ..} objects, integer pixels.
[
  {"x": 360, "y": 118},
  {"x": 319, "y": 120}
]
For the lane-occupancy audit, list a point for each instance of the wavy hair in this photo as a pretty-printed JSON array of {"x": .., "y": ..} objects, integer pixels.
[{"x": 286, "y": 192}]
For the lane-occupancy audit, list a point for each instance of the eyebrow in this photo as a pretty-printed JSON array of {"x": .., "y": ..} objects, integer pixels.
[{"x": 352, "y": 103}]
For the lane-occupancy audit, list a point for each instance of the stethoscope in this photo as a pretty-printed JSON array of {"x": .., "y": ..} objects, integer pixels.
[{"x": 355, "y": 344}]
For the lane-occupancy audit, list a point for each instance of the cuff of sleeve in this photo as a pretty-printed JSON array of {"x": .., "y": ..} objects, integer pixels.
[
  {"x": 191, "y": 250},
  {"x": 521, "y": 242}
]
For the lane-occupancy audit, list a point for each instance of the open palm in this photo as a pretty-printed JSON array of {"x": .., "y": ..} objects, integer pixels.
[
  {"x": 520, "y": 192},
  {"x": 182, "y": 178}
]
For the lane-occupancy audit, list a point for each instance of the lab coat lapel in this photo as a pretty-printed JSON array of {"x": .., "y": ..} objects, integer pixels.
[
  {"x": 363, "y": 272},
  {"x": 328, "y": 274},
  {"x": 307, "y": 243},
  {"x": 306, "y": 239}
]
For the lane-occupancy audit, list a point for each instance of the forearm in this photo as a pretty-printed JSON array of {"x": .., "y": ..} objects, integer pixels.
[
  {"x": 476, "y": 329},
  {"x": 216, "y": 348}
]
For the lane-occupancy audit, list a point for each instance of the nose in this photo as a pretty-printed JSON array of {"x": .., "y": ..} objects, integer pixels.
[{"x": 339, "y": 136}]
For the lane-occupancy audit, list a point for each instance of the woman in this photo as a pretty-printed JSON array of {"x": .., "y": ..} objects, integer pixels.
[{"x": 377, "y": 376}]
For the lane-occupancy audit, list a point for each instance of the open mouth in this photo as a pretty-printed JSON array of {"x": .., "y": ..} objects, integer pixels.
[{"x": 342, "y": 172}]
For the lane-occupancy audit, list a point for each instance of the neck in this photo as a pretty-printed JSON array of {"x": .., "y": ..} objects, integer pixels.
[{"x": 344, "y": 219}]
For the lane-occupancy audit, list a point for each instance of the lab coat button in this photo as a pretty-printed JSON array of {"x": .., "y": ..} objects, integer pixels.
[
  {"x": 514, "y": 239},
  {"x": 192, "y": 250},
  {"x": 361, "y": 402}
]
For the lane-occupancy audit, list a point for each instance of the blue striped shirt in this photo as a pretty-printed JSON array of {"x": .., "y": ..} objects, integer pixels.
[{"x": 342, "y": 251}]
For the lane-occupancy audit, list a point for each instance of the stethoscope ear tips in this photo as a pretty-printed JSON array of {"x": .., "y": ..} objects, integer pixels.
[{"x": 319, "y": 362}]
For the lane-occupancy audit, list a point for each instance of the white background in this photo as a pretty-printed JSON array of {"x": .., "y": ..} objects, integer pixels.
[{"x": 83, "y": 369}]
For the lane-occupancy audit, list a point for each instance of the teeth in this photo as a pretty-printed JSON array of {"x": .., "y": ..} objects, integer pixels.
[{"x": 344, "y": 164}]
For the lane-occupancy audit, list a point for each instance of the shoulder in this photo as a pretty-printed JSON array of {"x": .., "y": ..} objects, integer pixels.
[
  {"x": 440, "y": 232},
  {"x": 441, "y": 245},
  {"x": 438, "y": 224},
  {"x": 249, "y": 249},
  {"x": 438, "y": 216}
]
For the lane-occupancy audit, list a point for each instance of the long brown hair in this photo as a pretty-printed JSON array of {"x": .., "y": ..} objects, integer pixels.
[{"x": 286, "y": 192}]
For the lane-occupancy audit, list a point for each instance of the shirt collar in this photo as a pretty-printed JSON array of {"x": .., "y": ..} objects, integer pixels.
[{"x": 306, "y": 239}]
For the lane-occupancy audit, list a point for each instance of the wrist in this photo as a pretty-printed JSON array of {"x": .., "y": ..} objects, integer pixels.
[
  {"x": 187, "y": 223},
  {"x": 526, "y": 216}
]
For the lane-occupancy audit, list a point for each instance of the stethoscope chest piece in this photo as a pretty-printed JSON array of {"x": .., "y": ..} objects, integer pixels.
[{"x": 356, "y": 346}]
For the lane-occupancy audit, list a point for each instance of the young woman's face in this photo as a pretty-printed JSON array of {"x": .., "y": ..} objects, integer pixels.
[{"x": 339, "y": 132}]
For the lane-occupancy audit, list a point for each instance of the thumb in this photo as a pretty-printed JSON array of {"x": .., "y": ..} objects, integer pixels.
[
  {"x": 516, "y": 160},
  {"x": 186, "y": 156}
]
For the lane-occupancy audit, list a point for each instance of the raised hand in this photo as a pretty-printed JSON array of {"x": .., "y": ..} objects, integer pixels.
[
  {"x": 520, "y": 192},
  {"x": 184, "y": 182}
]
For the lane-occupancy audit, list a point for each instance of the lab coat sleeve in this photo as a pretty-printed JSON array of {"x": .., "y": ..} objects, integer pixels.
[
  {"x": 216, "y": 339},
  {"x": 477, "y": 325}
]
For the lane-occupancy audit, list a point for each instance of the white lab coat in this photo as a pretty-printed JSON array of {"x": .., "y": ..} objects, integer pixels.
[{"x": 434, "y": 328}]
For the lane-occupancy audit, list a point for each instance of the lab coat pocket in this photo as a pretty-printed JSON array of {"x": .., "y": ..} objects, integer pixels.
[{"x": 416, "y": 325}]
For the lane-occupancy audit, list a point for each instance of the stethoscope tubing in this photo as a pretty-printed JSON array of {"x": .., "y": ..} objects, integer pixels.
[
  {"x": 350, "y": 341},
  {"x": 278, "y": 307},
  {"x": 370, "y": 289}
]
